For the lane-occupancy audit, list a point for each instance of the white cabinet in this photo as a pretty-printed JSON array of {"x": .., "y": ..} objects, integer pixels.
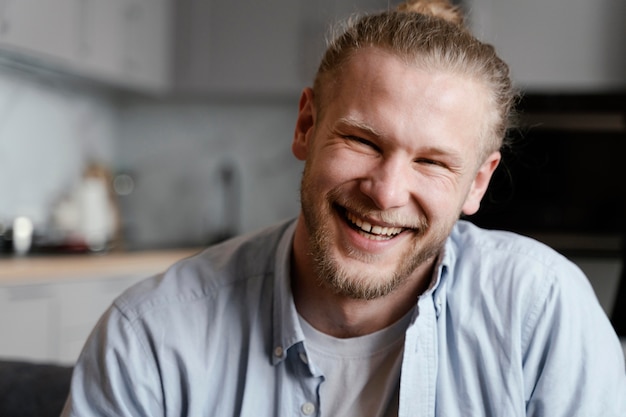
[
  {"x": 27, "y": 322},
  {"x": 81, "y": 304},
  {"x": 242, "y": 47},
  {"x": 48, "y": 306},
  {"x": 557, "y": 45},
  {"x": 100, "y": 37},
  {"x": 121, "y": 42},
  {"x": 147, "y": 43},
  {"x": 44, "y": 30},
  {"x": 218, "y": 47},
  {"x": 253, "y": 48},
  {"x": 126, "y": 42},
  {"x": 50, "y": 322}
]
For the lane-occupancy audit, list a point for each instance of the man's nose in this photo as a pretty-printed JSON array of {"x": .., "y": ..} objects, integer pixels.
[{"x": 387, "y": 184}]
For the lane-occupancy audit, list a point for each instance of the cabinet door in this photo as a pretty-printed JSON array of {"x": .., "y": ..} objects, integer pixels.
[
  {"x": 316, "y": 23},
  {"x": 123, "y": 42},
  {"x": 557, "y": 45},
  {"x": 249, "y": 48},
  {"x": 28, "y": 323},
  {"x": 147, "y": 43},
  {"x": 101, "y": 37},
  {"x": 43, "y": 29},
  {"x": 81, "y": 303},
  {"x": 243, "y": 47}
]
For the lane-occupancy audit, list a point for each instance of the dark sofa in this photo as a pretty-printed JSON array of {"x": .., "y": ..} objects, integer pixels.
[{"x": 30, "y": 389}]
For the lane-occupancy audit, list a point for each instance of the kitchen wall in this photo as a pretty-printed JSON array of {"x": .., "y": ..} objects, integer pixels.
[
  {"x": 49, "y": 130},
  {"x": 188, "y": 159},
  {"x": 556, "y": 45},
  {"x": 176, "y": 152}
]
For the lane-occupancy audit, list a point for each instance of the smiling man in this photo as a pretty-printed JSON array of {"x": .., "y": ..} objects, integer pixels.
[
  {"x": 377, "y": 300},
  {"x": 391, "y": 162}
]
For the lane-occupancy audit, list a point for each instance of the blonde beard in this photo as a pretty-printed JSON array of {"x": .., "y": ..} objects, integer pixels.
[{"x": 369, "y": 284}]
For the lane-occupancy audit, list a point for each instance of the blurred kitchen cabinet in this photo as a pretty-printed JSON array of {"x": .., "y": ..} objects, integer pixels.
[
  {"x": 28, "y": 324},
  {"x": 40, "y": 30},
  {"x": 50, "y": 304},
  {"x": 218, "y": 47},
  {"x": 556, "y": 46},
  {"x": 122, "y": 43},
  {"x": 250, "y": 48},
  {"x": 125, "y": 42},
  {"x": 101, "y": 37},
  {"x": 81, "y": 303},
  {"x": 147, "y": 43},
  {"x": 50, "y": 322},
  {"x": 237, "y": 47}
]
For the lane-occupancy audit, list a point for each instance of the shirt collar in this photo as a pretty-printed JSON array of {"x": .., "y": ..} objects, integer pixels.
[
  {"x": 441, "y": 274},
  {"x": 444, "y": 270},
  {"x": 444, "y": 261},
  {"x": 287, "y": 330},
  {"x": 450, "y": 254}
]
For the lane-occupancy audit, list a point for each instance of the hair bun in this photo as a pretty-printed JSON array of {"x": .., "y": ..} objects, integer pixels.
[{"x": 441, "y": 9}]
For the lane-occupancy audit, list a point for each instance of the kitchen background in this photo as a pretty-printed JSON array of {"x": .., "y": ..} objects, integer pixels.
[{"x": 190, "y": 106}]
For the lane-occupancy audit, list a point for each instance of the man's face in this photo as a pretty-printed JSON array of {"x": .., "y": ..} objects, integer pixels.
[{"x": 390, "y": 164}]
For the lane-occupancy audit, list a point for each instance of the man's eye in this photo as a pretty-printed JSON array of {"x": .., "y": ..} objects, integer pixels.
[
  {"x": 362, "y": 141},
  {"x": 426, "y": 161}
]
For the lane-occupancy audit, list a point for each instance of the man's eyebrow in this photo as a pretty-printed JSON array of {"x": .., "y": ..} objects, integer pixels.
[
  {"x": 346, "y": 122},
  {"x": 439, "y": 150}
]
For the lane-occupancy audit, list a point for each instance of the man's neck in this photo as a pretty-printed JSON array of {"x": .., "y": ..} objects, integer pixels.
[
  {"x": 342, "y": 316},
  {"x": 350, "y": 318}
]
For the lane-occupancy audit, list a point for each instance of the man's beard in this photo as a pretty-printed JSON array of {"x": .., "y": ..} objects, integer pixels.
[{"x": 369, "y": 283}]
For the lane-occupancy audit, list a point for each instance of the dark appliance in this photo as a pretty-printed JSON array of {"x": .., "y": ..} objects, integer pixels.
[{"x": 562, "y": 180}]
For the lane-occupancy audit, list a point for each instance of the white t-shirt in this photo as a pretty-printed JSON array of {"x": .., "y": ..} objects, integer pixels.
[{"x": 362, "y": 374}]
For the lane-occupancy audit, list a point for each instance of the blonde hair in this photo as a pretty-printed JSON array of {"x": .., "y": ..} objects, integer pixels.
[{"x": 429, "y": 33}]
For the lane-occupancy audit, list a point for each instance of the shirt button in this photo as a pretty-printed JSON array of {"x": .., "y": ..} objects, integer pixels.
[
  {"x": 303, "y": 358},
  {"x": 308, "y": 409},
  {"x": 278, "y": 351},
  {"x": 438, "y": 305}
]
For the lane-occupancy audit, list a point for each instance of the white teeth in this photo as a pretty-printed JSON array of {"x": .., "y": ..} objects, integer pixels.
[{"x": 379, "y": 232}]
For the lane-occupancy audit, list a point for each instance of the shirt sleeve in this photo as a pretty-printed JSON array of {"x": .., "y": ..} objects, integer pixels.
[
  {"x": 573, "y": 362},
  {"x": 116, "y": 373}
]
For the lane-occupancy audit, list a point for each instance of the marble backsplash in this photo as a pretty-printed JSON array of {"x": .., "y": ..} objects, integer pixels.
[
  {"x": 49, "y": 131},
  {"x": 202, "y": 170}
]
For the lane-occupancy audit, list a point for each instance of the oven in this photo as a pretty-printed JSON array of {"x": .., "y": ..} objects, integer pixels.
[{"x": 563, "y": 181}]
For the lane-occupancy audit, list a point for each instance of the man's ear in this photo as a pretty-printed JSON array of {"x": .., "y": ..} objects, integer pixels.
[
  {"x": 480, "y": 183},
  {"x": 304, "y": 125}
]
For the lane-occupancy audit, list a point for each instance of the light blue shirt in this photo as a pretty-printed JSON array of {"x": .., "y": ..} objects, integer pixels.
[{"x": 509, "y": 328}]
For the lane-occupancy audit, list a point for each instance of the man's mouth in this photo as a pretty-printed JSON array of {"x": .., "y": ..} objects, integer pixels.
[{"x": 373, "y": 232}]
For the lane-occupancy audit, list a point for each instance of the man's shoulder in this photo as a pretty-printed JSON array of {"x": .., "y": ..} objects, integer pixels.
[
  {"x": 235, "y": 262},
  {"x": 469, "y": 241},
  {"x": 493, "y": 259},
  {"x": 514, "y": 274}
]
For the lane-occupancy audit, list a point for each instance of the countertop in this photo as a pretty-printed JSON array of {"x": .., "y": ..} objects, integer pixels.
[{"x": 41, "y": 268}]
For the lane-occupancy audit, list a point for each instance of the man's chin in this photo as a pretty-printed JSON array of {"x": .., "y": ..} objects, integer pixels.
[
  {"x": 361, "y": 281},
  {"x": 362, "y": 289}
]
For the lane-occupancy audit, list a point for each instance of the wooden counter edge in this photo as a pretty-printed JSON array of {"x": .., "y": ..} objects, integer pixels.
[{"x": 37, "y": 269}]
